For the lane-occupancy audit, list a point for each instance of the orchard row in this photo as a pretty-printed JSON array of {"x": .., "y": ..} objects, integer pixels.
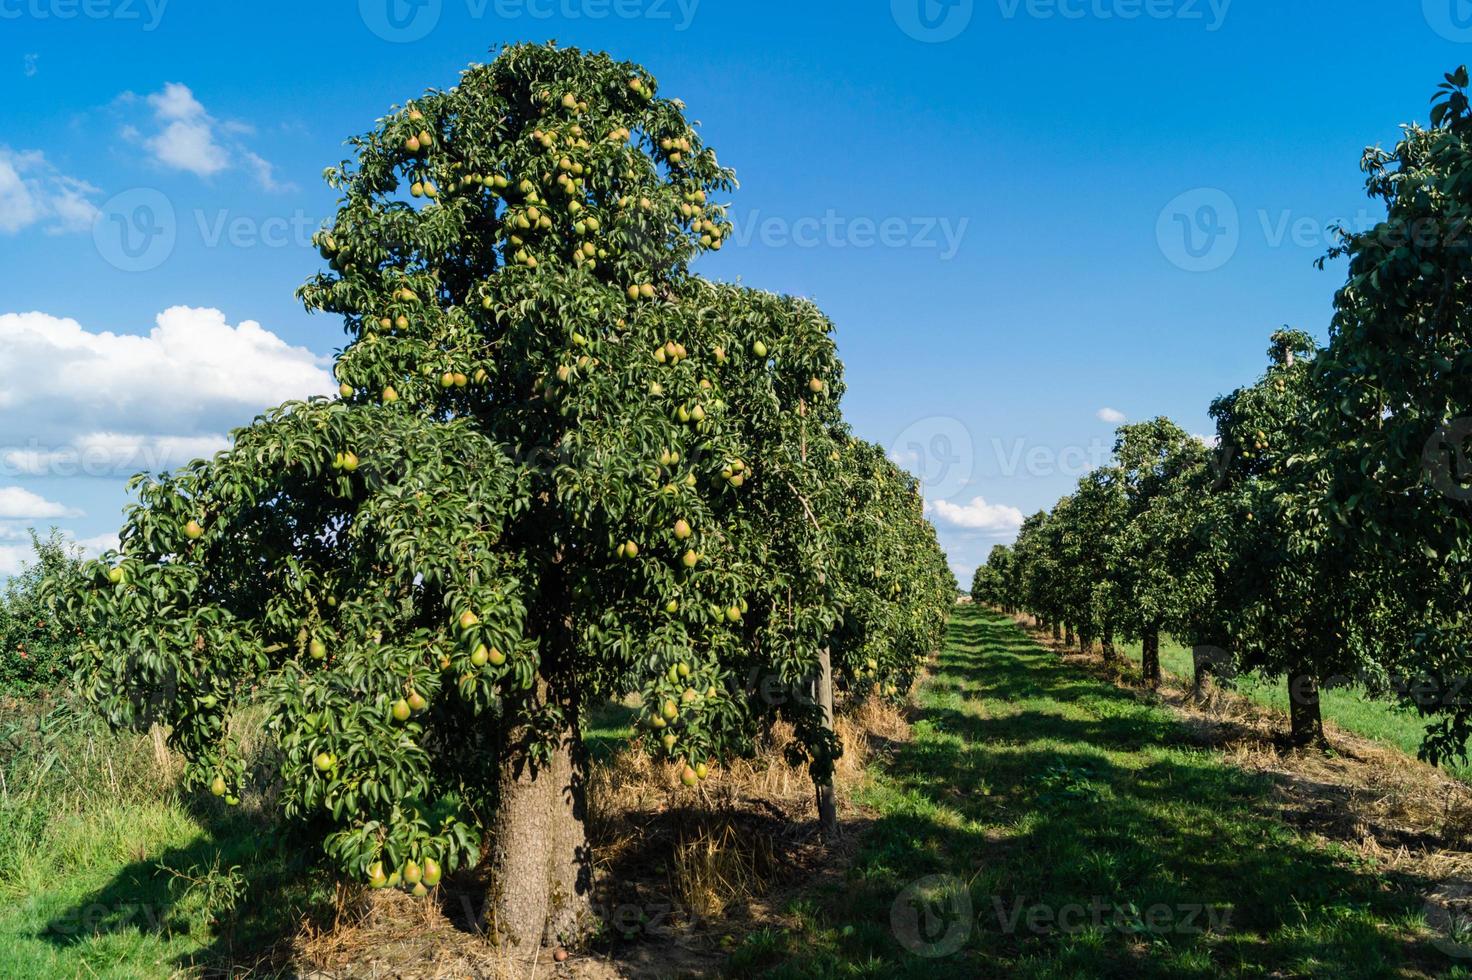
[{"x": 1326, "y": 531}]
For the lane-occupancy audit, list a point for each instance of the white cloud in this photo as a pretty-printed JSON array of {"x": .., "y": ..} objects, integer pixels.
[
  {"x": 187, "y": 141},
  {"x": 97, "y": 544},
  {"x": 78, "y": 402},
  {"x": 13, "y": 558},
  {"x": 265, "y": 173},
  {"x": 978, "y": 515},
  {"x": 1111, "y": 415},
  {"x": 1210, "y": 442},
  {"x": 33, "y": 192},
  {"x": 18, "y": 503},
  {"x": 190, "y": 139},
  {"x": 16, "y": 550}
]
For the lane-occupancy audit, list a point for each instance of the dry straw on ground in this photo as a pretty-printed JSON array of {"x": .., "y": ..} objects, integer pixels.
[{"x": 679, "y": 872}]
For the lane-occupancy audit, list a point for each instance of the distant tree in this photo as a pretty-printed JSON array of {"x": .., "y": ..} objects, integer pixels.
[
  {"x": 1150, "y": 458},
  {"x": 989, "y": 585},
  {"x": 34, "y": 645}
]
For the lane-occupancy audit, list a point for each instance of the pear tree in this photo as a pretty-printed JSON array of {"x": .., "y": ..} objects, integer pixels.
[
  {"x": 1394, "y": 423},
  {"x": 561, "y": 468},
  {"x": 1149, "y": 457},
  {"x": 1286, "y": 597}
]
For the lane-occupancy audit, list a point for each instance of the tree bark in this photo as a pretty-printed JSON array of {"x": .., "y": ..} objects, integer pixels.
[
  {"x": 1150, "y": 657},
  {"x": 1057, "y": 632},
  {"x": 1201, "y": 674},
  {"x": 1068, "y": 635},
  {"x": 1307, "y": 724},
  {"x": 541, "y": 860},
  {"x": 827, "y": 806},
  {"x": 1210, "y": 663},
  {"x": 1108, "y": 644}
]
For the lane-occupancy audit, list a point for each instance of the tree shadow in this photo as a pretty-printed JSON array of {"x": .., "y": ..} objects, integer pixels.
[
  {"x": 244, "y": 886},
  {"x": 1084, "y": 832}
]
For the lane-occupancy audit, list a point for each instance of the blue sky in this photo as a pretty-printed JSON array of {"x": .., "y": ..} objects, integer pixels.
[{"x": 1028, "y": 218}]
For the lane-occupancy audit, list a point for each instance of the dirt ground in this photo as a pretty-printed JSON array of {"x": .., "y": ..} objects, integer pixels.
[{"x": 681, "y": 875}]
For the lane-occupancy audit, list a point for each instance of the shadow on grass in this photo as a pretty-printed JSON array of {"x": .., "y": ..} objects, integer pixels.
[
  {"x": 242, "y": 886},
  {"x": 1080, "y": 832}
]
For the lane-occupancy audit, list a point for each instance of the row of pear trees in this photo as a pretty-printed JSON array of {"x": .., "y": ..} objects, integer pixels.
[
  {"x": 561, "y": 469},
  {"x": 1325, "y": 534}
]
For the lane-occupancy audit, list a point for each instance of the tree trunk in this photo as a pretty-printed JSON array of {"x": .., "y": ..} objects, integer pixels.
[
  {"x": 541, "y": 862},
  {"x": 827, "y": 807},
  {"x": 1108, "y": 644},
  {"x": 1057, "y": 632},
  {"x": 1068, "y": 635},
  {"x": 1303, "y": 708},
  {"x": 1150, "y": 657},
  {"x": 1201, "y": 671},
  {"x": 1210, "y": 663}
]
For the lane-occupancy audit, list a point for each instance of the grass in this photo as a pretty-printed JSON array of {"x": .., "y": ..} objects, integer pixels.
[
  {"x": 1348, "y": 706},
  {"x": 1045, "y": 823},
  {"x": 1040, "y": 823},
  {"x": 106, "y": 870}
]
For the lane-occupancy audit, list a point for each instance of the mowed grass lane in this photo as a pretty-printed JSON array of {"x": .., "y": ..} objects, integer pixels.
[{"x": 1045, "y": 823}]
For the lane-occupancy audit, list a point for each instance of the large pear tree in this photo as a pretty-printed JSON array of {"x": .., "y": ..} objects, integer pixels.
[
  {"x": 1395, "y": 425},
  {"x": 561, "y": 469}
]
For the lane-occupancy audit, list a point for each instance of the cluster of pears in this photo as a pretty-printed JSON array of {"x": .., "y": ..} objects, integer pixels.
[
  {"x": 680, "y": 693},
  {"x": 562, "y": 187},
  {"x": 480, "y": 654},
  {"x": 453, "y": 377},
  {"x": 417, "y": 878},
  {"x": 735, "y": 473},
  {"x": 709, "y": 222}
]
